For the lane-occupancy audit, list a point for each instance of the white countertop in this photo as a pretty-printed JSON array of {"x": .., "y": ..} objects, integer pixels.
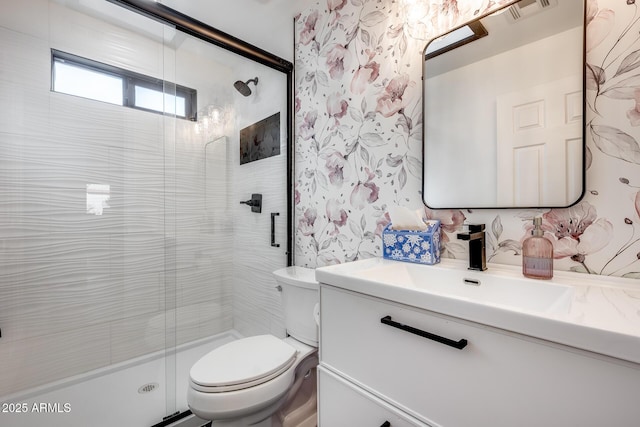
[{"x": 602, "y": 314}]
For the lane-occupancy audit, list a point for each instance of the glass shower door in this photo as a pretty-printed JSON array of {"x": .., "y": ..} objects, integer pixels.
[
  {"x": 225, "y": 249},
  {"x": 126, "y": 253},
  {"x": 87, "y": 282}
]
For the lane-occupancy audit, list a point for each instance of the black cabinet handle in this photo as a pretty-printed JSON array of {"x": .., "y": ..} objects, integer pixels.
[
  {"x": 446, "y": 341},
  {"x": 386, "y": 424},
  {"x": 273, "y": 229}
]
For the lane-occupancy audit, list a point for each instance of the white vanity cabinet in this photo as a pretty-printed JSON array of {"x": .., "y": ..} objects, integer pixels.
[
  {"x": 475, "y": 375},
  {"x": 346, "y": 405}
]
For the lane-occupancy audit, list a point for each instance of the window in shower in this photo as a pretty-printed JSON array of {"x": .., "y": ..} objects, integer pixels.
[{"x": 86, "y": 78}]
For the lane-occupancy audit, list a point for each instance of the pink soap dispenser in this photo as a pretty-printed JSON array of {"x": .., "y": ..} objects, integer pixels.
[{"x": 537, "y": 254}]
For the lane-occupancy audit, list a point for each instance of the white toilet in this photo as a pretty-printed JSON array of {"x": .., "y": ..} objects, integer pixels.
[{"x": 243, "y": 383}]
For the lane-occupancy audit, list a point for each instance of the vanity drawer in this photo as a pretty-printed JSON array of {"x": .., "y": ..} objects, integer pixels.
[
  {"x": 498, "y": 378},
  {"x": 344, "y": 405}
]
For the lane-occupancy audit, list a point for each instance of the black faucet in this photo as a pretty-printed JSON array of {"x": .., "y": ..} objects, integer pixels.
[{"x": 477, "y": 253}]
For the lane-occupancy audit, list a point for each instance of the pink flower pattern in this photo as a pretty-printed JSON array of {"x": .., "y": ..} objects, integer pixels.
[
  {"x": 600, "y": 22},
  {"x": 336, "y": 216},
  {"x": 365, "y": 75},
  {"x": 337, "y": 59},
  {"x": 336, "y": 106},
  {"x": 381, "y": 223},
  {"x": 364, "y": 193},
  {"x": 307, "y": 130},
  {"x": 338, "y": 168},
  {"x": 308, "y": 34},
  {"x": 451, "y": 220},
  {"x": 392, "y": 101},
  {"x": 307, "y": 222},
  {"x": 335, "y": 4},
  {"x": 576, "y": 231},
  {"x": 634, "y": 114},
  {"x": 360, "y": 77}
]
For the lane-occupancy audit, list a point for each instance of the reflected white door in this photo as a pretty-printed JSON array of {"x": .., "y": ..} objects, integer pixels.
[{"x": 539, "y": 144}]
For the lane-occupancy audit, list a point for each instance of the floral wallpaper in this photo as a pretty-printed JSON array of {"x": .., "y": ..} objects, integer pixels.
[{"x": 359, "y": 130}]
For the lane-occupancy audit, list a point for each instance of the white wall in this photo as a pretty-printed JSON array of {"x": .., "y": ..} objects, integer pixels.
[
  {"x": 267, "y": 24},
  {"x": 256, "y": 302}
]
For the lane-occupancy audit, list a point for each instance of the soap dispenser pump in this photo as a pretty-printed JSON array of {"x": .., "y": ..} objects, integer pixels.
[{"x": 537, "y": 254}]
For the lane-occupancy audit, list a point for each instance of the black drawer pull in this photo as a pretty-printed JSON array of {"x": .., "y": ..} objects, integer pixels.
[
  {"x": 455, "y": 344},
  {"x": 386, "y": 424}
]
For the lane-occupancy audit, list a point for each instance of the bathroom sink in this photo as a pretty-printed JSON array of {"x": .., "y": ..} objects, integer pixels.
[{"x": 496, "y": 287}]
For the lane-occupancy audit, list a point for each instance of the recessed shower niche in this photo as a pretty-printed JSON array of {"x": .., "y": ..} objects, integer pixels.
[{"x": 260, "y": 140}]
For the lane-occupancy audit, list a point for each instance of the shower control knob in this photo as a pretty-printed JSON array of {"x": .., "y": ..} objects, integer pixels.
[{"x": 255, "y": 202}]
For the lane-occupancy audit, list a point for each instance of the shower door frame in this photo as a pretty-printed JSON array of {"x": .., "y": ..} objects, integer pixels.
[{"x": 200, "y": 30}]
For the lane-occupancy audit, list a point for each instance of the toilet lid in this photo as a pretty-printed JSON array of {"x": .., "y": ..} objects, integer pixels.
[{"x": 243, "y": 363}]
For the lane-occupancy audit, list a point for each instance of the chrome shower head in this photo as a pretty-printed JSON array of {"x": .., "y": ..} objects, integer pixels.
[{"x": 243, "y": 87}]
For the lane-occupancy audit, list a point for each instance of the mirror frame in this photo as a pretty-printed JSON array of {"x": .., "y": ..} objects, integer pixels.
[{"x": 474, "y": 22}]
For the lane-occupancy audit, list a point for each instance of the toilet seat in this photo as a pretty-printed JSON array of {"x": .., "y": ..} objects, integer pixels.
[{"x": 241, "y": 364}]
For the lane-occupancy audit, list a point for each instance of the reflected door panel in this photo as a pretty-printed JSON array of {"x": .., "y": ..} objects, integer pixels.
[{"x": 539, "y": 130}]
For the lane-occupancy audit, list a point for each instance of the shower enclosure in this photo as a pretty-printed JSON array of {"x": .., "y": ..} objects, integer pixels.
[{"x": 125, "y": 252}]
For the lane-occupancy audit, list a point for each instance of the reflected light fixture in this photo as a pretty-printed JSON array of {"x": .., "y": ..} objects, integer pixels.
[
  {"x": 210, "y": 122},
  {"x": 416, "y": 13},
  {"x": 456, "y": 38},
  {"x": 425, "y": 19}
]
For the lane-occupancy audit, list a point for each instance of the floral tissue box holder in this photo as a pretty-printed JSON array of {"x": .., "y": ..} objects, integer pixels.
[{"x": 413, "y": 246}]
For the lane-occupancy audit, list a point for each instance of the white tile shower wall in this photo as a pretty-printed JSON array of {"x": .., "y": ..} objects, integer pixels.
[
  {"x": 81, "y": 291},
  {"x": 143, "y": 50},
  {"x": 256, "y": 303},
  {"x": 359, "y": 132}
]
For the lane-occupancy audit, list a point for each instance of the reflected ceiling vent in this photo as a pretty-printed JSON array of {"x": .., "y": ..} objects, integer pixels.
[{"x": 526, "y": 8}]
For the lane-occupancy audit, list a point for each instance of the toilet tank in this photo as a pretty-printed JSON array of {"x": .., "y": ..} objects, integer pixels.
[{"x": 300, "y": 302}]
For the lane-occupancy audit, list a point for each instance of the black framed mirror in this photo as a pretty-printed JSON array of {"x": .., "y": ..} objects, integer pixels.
[{"x": 504, "y": 111}]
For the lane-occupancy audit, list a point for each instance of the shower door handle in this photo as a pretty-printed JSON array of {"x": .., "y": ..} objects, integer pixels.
[{"x": 273, "y": 229}]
